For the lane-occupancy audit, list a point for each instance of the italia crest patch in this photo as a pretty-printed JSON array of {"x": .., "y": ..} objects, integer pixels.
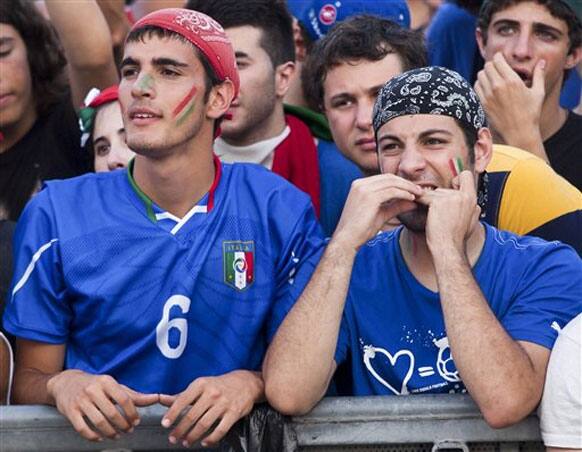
[{"x": 239, "y": 263}]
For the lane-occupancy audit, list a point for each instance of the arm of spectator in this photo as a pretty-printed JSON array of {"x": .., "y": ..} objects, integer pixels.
[
  {"x": 114, "y": 13},
  {"x": 214, "y": 404},
  {"x": 513, "y": 109},
  {"x": 300, "y": 360},
  {"x": 86, "y": 39},
  {"x": 141, "y": 8},
  {"x": 505, "y": 377},
  {"x": 81, "y": 397},
  {"x": 6, "y": 369}
]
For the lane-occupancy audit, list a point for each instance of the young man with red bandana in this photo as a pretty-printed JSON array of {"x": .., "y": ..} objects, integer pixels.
[{"x": 166, "y": 282}]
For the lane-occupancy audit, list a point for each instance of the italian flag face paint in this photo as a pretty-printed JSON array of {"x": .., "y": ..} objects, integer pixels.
[
  {"x": 456, "y": 165},
  {"x": 185, "y": 107}
]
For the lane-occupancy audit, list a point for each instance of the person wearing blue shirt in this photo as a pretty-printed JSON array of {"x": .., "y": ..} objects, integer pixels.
[
  {"x": 444, "y": 303},
  {"x": 163, "y": 282}
]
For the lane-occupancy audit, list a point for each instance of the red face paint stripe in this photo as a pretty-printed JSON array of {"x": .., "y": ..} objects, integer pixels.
[
  {"x": 185, "y": 101},
  {"x": 452, "y": 166}
]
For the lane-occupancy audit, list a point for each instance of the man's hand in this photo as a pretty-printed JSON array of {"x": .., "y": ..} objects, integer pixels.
[
  {"x": 373, "y": 202},
  {"x": 513, "y": 109},
  {"x": 452, "y": 214},
  {"x": 212, "y": 403},
  {"x": 97, "y": 405}
]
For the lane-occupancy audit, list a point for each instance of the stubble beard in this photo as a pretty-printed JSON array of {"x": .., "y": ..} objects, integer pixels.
[{"x": 415, "y": 220}]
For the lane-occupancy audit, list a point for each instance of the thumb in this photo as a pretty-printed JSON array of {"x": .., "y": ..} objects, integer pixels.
[{"x": 539, "y": 76}]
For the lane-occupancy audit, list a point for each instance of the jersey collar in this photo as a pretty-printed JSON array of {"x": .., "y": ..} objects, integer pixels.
[{"x": 149, "y": 204}]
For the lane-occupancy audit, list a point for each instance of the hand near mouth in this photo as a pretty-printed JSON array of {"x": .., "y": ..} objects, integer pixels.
[{"x": 513, "y": 109}]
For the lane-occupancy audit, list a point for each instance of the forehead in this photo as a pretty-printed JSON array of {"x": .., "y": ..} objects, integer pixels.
[
  {"x": 108, "y": 119},
  {"x": 529, "y": 12},
  {"x": 361, "y": 75},
  {"x": 412, "y": 126},
  {"x": 246, "y": 38},
  {"x": 150, "y": 47}
]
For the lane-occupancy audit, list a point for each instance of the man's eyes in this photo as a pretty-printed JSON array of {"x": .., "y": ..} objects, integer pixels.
[
  {"x": 342, "y": 103},
  {"x": 128, "y": 72}
]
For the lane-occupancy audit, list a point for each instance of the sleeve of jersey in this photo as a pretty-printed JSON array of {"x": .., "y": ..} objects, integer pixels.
[
  {"x": 299, "y": 256},
  {"x": 37, "y": 309},
  {"x": 536, "y": 201},
  {"x": 549, "y": 295}
]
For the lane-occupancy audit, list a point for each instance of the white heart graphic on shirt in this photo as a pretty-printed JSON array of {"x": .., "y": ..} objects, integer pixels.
[{"x": 370, "y": 353}]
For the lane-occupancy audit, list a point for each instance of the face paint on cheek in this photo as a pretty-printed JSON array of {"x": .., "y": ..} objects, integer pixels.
[
  {"x": 185, "y": 107},
  {"x": 456, "y": 166}
]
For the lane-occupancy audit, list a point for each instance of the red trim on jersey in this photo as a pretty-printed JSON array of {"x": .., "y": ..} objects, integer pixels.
[{"x": 217, "y": 174}]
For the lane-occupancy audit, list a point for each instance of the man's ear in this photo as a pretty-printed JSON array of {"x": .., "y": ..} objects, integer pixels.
[
  {"x": 219, "y": 99},
  {"x": 480, "y": 41},
  {"x": 300, "y": 47},
  {"x": 283, "y": 75},
  {"x": 573, "y": 58},
  {"x": 483, "y": 149}
]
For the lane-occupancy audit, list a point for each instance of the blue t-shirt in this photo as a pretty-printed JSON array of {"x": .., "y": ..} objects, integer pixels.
[
  {"x": 337, "y": 174},
  {"x": 393, "y": 326},
  {"x": 156, "y": 301}
]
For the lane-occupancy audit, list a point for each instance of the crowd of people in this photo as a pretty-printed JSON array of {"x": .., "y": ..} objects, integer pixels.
[{"x": 210, "y": 204}]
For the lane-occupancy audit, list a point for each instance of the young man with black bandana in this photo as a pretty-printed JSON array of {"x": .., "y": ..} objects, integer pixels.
[{"x": 443, "y": 285}]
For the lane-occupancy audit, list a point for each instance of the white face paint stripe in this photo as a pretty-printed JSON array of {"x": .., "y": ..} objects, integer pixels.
[
  {"x": 183, "y": 221},
  {"x": 31, "y": 266}
]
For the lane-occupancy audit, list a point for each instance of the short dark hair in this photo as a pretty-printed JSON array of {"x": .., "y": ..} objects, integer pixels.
[
  {"x": 270, "y": 16},
  {"x": 556, "y": 8},
  {"x": 46, "y": 58},
  {"x": 210, "y": 77},
  {"x": 363, "y": 37},
  {"x": 471, "y": 135}
]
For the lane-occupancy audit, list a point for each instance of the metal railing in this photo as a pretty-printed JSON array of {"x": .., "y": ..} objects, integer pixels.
[{"x": 444, "y": 421}]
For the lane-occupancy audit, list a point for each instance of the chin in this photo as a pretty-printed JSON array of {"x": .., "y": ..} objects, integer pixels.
[{"x": 415, "y": 220}]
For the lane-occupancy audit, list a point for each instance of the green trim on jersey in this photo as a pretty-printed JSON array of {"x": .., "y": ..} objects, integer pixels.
[
  {"x": 148, "y": 203},
  {"x": 316, "y": 122}
]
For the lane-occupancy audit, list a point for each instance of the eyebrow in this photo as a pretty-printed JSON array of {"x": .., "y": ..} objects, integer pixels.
[
  {"x": 424, "y": 134},
  {"x": 104, "y": 138},
  {"x": 161, "y": 61},
  {"x": 540, "y": 26},
  {"x": 6, "y": 40},
  {"x": 240, "y": 54}
]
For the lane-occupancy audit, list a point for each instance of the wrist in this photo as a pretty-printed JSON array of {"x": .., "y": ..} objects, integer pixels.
[
  {"x": 445, "y": 253},
  {"x": 55, "y": 382}
]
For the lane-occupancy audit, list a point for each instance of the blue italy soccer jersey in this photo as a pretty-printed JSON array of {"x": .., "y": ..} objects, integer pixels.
[
  {"x": 153, "y": 300},
  {"x": 393, "y": 327}
]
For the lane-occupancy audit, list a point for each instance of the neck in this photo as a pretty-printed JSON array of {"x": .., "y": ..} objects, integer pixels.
[
  {"x": 14, "y": 133},
  {"x": 418, "y": 257},
  {"x": 272, "y": 126},
  {"x": 553, "y": 116},
  {"x": 295, "y": 94},
  {"x": 178, "y": 180}
]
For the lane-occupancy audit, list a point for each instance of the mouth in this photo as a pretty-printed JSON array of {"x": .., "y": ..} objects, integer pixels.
[
  {"x": 5, "y": 98},
  {"x": 367, "y": 144},
  {"x": 525, "y": 76},
  {"x": 143, "y": 116}
]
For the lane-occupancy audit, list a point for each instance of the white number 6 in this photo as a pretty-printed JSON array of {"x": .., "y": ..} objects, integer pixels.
[{"x": 165, "y": 325}]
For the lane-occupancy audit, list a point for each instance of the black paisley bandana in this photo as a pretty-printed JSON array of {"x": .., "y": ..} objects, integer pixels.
[{"x": 429, "y": 90}]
